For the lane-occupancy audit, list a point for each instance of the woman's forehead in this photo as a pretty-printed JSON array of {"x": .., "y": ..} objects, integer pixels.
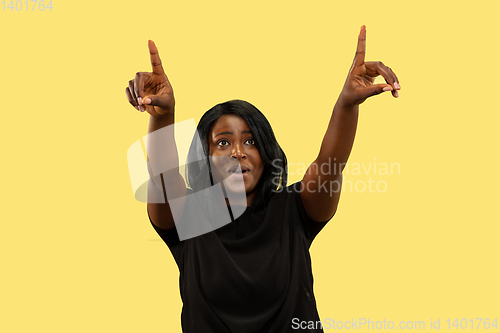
[{"x": 230, "y": 123}]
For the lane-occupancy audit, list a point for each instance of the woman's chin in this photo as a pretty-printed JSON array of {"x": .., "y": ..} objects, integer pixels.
[{"x": 234, "y": 185}]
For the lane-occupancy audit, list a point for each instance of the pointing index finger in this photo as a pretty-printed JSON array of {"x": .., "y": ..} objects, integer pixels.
[
  {"x": 155, "y": 59},
  {"x": 359, "y": 59}
]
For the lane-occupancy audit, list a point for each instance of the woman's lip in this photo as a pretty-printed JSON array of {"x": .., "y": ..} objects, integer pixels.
[
  {"x": 242, "y": 167},
  {"x": 239, "y": 176}
]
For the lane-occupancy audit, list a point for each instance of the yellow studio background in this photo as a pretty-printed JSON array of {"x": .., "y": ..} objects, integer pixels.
[{"x": 78, "y": 251}]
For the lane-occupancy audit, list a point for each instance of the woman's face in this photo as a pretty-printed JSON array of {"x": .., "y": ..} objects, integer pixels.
[{"x": 234, "y": 156}]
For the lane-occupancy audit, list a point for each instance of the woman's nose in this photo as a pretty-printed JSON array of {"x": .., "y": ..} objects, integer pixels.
[{"x": 237, "y": 152}]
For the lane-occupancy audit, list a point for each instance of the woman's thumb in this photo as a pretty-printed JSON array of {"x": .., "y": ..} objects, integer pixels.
[
  {"x": 154, "y": 100},
  {"x": 377, "y": 89}
]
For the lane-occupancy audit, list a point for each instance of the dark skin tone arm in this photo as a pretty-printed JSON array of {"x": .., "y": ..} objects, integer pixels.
[
  {"x": 152, "y": 92},
  {"x": 321, "y": 204}
]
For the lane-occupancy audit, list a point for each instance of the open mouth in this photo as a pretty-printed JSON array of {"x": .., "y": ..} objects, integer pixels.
[{"x": 239, "y": 171}]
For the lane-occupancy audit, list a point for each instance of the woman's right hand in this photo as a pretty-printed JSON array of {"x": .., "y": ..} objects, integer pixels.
[{"x": 151, "y": 92}]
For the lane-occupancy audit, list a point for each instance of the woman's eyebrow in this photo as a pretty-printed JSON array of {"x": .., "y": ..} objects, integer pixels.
[
  {"x": 231, "y": 133},
  {"x": 222, "y": 133}
]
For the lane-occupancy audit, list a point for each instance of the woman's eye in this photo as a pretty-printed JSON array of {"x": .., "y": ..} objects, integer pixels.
[
  {"x": 250, "y": 141},
  {"x": 222, "y": 143}
]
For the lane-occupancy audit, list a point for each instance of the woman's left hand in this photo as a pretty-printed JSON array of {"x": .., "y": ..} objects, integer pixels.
[{"x": 359, "y": 84}]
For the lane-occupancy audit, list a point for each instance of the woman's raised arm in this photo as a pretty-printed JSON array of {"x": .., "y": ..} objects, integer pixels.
[
  {"x": 152, "y": 92},
  {"x": 322, "y": 182}
]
